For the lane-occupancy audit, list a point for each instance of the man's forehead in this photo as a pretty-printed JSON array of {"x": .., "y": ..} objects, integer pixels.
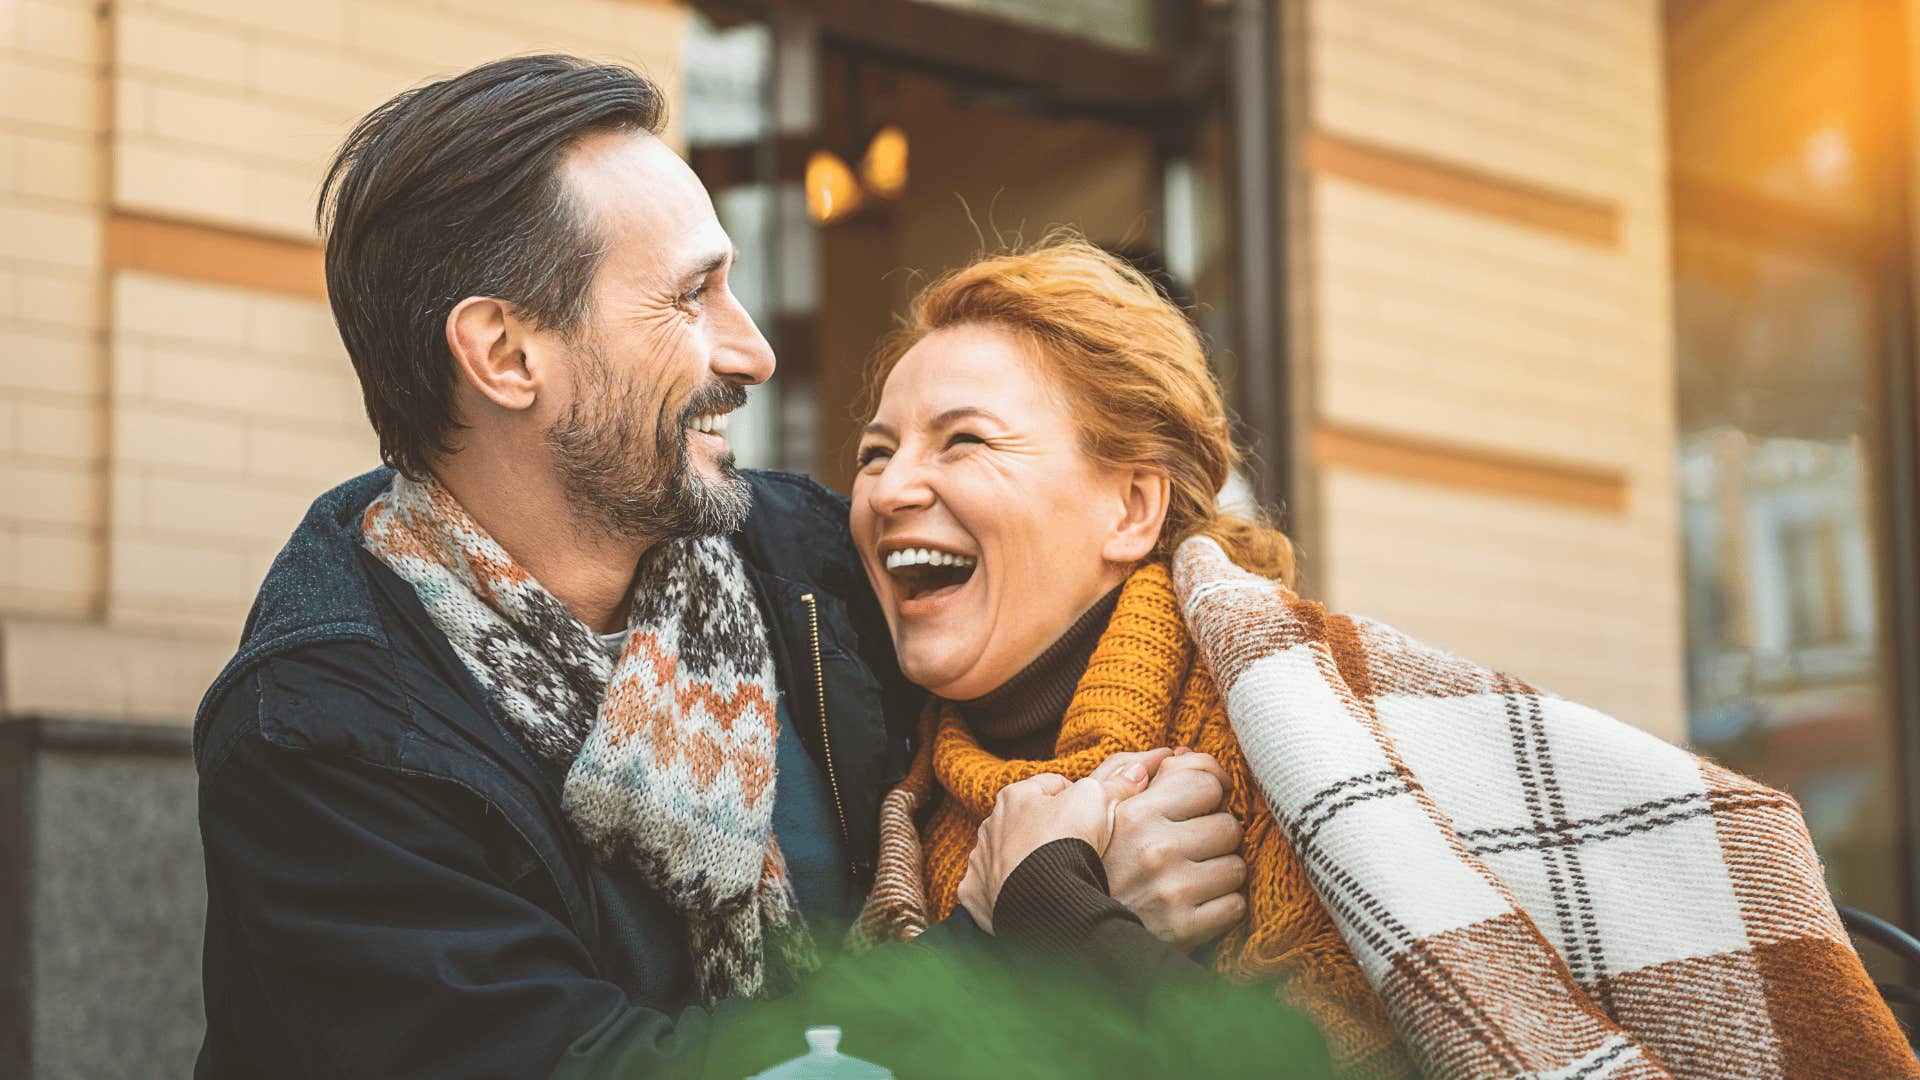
[{"x": 645, "y": 199}]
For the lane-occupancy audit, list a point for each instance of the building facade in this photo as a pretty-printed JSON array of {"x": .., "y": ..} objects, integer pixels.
[{"x": 1573, "y": 337}]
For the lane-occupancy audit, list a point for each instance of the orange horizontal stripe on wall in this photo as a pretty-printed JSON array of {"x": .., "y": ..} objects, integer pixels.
[
  {"x": 1452, "y": 465},
  {"x": 1462, "y": 187},
  {"x": 214, "y": 255}
]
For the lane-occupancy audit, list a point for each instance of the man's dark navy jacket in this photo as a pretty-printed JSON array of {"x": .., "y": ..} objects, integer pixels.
[{"x": 392, "y": 889}]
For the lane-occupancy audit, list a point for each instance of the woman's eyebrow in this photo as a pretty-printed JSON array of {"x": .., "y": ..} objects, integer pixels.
[
  {"x": 962, "y": 412},
  {"x": 946, "y": 419}
]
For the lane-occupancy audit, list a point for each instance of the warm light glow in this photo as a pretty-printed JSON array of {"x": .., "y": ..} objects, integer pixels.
[
  {"x": 1828, "y": 157},
  {"x": 832, "y": 192},
  {"x": 884, "y": 168}
]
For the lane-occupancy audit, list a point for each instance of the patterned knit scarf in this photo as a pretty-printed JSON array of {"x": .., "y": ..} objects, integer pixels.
[
  {"x": 1143, "y": 688},
  {"x": 670, "y": 749}
]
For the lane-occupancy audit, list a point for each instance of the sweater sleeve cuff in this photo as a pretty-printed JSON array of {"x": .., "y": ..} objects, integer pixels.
[
  {"x": 1055, "y": 903},
  {"x": 1057, "y": 897}
]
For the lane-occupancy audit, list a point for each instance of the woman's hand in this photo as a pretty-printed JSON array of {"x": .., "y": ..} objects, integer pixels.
[
  {"x": 1042, "y": 809},
  {"x": 1174, "y": 855}
]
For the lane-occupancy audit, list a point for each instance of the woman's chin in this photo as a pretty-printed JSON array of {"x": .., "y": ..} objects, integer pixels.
[
  {"x": 946, "y": 672},
  {"x": 932, "y": 674}
]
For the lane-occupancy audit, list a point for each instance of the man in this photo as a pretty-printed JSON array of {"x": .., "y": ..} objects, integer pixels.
[{"x": 562, "y": 739}]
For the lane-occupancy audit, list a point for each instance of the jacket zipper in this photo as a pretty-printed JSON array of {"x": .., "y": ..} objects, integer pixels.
[{"x": 826, "y": 740}]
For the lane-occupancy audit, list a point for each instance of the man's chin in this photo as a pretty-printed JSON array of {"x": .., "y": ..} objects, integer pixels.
[{"x": 727, "y": 499}]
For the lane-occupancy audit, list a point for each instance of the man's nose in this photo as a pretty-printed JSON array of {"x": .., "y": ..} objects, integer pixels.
[{"x": 742, "y": 355}]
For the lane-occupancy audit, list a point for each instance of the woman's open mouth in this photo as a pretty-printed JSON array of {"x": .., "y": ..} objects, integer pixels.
[{"x": 928, "y": 574}]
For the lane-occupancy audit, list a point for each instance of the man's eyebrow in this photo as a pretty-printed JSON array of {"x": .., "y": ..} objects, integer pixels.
[{"x": 711, "y": 263}]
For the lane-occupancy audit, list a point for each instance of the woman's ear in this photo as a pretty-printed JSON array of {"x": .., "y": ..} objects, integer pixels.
[
  {"x": 490, "y": 352},
  {"x": 1143, "y": 510}
]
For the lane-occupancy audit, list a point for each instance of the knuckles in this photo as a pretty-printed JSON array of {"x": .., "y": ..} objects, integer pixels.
[
  {"x": 1157, "y": 855},
  {"x": 1214, "y": 791}
]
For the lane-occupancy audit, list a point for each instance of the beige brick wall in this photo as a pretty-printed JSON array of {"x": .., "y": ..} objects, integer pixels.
[
  {"x": 1445, "y": 325},
  {"x": 225, "y": 111},
  {"x": 52, "y": 352},
  {"x": 230, "y": 410}
]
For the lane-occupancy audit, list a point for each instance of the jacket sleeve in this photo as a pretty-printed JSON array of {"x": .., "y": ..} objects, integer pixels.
[{"x": 381, "y": 937}]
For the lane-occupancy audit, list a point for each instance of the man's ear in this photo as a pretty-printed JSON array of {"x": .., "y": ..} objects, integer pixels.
[
  {"x": 489, "y": 349},
  {"x": 1143, "y": 510}
]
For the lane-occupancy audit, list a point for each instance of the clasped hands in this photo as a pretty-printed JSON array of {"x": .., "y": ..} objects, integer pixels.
[{"x": 1154, "y": 817}]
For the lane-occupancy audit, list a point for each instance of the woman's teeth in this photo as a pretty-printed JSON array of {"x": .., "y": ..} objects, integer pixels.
[
  {"x": 710, "y": 423},
  {"x": 926, "y": 557},
  {"x": 926, "y": 573}
]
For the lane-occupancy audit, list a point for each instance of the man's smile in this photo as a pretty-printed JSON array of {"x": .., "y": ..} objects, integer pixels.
[{"x": 709, "y": 429}]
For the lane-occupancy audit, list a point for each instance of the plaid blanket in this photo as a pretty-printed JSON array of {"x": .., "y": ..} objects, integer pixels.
[{"x": 1533, "y": 888}]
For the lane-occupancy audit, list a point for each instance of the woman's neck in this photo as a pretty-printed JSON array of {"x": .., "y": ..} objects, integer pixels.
[{"x": 1023, "y": 714}]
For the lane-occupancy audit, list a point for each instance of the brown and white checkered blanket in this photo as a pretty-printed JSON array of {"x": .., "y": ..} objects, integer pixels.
[{"x": 1533, "y": 888}]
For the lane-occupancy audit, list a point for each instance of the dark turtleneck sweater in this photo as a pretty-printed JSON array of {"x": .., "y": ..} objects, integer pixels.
[{"x": 1021, "y": 718}]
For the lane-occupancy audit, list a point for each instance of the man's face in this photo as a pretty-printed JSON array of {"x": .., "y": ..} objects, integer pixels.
[{"x": 664, "y": 354}]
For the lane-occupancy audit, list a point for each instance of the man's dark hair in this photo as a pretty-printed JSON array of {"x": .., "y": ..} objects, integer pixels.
[{"x": 455, "y": 189}]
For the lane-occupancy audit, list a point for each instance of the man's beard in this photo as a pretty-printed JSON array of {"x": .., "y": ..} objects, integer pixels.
[{"x": 639, "y": 484}]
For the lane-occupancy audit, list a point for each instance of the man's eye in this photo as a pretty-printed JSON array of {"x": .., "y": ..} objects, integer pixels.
[{"x": 694, "y": 294}]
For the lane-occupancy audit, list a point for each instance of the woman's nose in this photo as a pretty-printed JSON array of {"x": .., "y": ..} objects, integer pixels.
[{"x": 900, "y": 487}]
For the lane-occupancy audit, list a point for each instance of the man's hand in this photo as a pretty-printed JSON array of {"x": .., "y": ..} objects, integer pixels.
[
  {"x": 1173, "y": 857},
  {"x": 1042, "y": 809}
]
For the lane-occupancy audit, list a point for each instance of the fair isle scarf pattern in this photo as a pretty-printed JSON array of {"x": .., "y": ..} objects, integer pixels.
[
  {"x": 1533, "y": 888},
  {"x": 670, "y": 749}
]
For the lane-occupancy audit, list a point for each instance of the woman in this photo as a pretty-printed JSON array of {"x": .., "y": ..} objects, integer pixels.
[{"x": 1036, "y": 509}]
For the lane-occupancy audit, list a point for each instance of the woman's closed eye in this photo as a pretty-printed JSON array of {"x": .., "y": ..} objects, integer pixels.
[{"x": 875, "y": 453}]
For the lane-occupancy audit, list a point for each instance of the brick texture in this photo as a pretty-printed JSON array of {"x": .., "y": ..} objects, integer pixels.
[
  {"x": 1437, "y": 323},
  {"x": 225, "y": 111},
  {"x": 230, "y": 411},
  {"x": 52, "y": 352}
]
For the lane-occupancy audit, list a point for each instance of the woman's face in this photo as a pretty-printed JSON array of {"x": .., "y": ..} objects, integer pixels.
[{"x": 984, "y": 529}]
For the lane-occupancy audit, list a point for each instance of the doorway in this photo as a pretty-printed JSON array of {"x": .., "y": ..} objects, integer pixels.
[{"x": 855, "y": 151}]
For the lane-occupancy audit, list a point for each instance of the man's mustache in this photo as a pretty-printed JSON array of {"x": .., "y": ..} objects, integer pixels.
[{"x": 713, "y": 398}]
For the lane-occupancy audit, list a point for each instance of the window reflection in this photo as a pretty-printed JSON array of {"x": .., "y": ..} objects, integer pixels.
[{"x": 1786, "y": 230}]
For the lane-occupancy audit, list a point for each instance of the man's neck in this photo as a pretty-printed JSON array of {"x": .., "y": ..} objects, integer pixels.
[{"x": 588, "y": 571}]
